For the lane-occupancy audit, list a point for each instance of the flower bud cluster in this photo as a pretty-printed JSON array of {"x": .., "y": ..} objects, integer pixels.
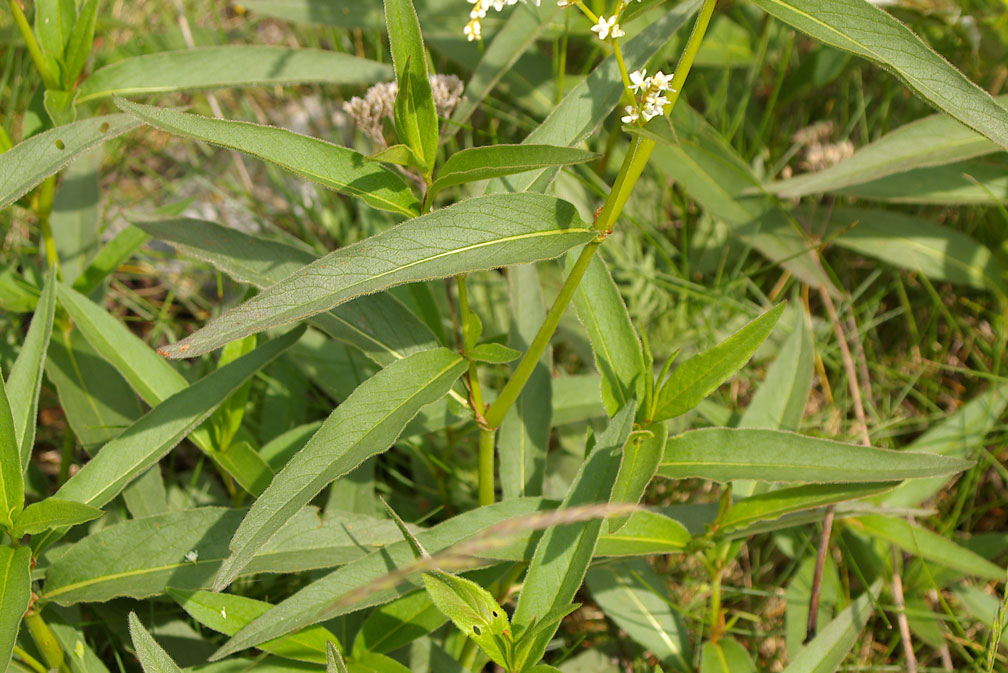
[
  {"x": 378, "y": 104},
  {"x": 650, "y": 101},
  {"x": 474, "y": 29}
]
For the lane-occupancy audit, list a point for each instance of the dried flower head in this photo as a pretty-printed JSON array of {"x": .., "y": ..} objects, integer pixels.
[{"x": 378, "y": 104}]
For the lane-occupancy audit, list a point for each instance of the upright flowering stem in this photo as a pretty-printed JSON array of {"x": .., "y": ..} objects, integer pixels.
[{"x": 633, "y": 165}]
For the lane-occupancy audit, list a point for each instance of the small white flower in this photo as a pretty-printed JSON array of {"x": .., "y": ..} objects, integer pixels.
[
  {"x": 631, "y": 115},
  {"x": 638, "y": 80},
  {"x": 661, "y": 81},
  {"x": 191, "y": 556},
  {"x": 605, "y": 27},
  {"x": 616, "y": 31}
]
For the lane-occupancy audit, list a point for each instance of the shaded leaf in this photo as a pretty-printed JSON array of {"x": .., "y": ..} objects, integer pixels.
[
  {"x": 825, "y": 652},
  {"x": 775, "y": 504},
  {"x": 11, "y": 477},
  {"x": 15, "y": 593},
  {"x": 398, "y": 623}
]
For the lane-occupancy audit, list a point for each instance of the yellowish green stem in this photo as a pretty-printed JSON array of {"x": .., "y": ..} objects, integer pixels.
[
  {"x": 45, "y": 641},
  {"x": 48, "y": 79}
]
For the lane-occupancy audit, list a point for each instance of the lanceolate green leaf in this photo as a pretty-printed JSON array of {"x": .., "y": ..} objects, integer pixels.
[
  {"x": 15, "y": 592},
  {"x": 152, "y": 656},
  {"x": 33, "y": 160},
  {"x": 320, "y": 600},
  {"x": 379, "y": 324},
  {"x": 775, "y": 504},
  {"x": 481, "y": 233},
  {"x": 416, "y": 119},
  {"x": 492, "y": 161},
  {"x": 863, "y": 29},
  {"x": 25, "y": 381},
  {"x": 698, "y": 377},
  {"x": 53, "y": 513},
  {"x": 975, "y": 181},
  {"x": 473, "y": 610},
  {"x": 725, "y": 656},
  {"x": 398, "y": 623},
  {"x": 724, "y": 454},
  {"x": 329, "y": 165},
  {"x": 156, "y": 433},
  {"x": 641, "y": 457},
  {"x": 230, "y": 66},
  {"x": 825, "y": 652},
  {"x": 562, "y": 556},
  {"x": 365, "y": 424},
  {"x": 11, "y": 478},
  {"x": 108, "y": 259},
  {"x": 644, "y": 533}
]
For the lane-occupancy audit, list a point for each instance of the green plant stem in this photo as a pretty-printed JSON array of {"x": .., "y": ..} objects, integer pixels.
[
  {"x": 43, "y": 208},
  {"x": 486, "y": 466},
  {"x": 486, "y": 435},
  {"x": 33, "y": 48},
  {"x": 45, "y": 641},
  {"x": 633, "y": 165},
  {"x": 28, "y": 660}
]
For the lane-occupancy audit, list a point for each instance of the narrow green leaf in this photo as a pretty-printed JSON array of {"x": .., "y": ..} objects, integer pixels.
[
  {"x": 563, "y": 553},
  {"x": 109, "y": 257},
  {"x": 724, "y": 454},
  {"x": 334, "y": 660},
  {"x": 152, "y": 656},
  {"x": 632, "y": 595},
  {"x": 53, "y": 513},
  {"x": 474, "y": 611},
  {"x": 645, "y": 533},
  {"x": 930, "y": 546},
  {"x": 981, "y": 181},
  {"x": 617, "y": 350},
  {"x": 398, "y": 623},
  {"x": 320, "y": 600},
  {"x": 863, "y": 29},
  {"x": 33, "y": 160},
  {"x": 156, "y": 433},
  {"x": 228, "y": 66},
  {"x": 826, "y": 651},
  {"x": 15, "y": 593},
  {"x": 727, "y": 655},
  {"x": 25, "y": 381},
  {"x": 641, "y": 457},
  {"x": 402, "y": 155},
  {"x": 379, "y": 325},
  {"x": 933, "y": 141},
  {"x": 698, "y": 377},
  {"x": 493, "y": 161},
  {"x": 54, "y": 20},
  {"x": 480, "y": 233},
  {"x": 228, "y": 613},
  {"x": 416, "y": 119},
  {"x": 332, "y": 166},
  {"x": 365, "y": 424},
  {"x": 494, "y": 353},
  {"x": 75, "y": 219},
  {"x": 11, "y": 477},
  {"x": 775, "y": 504},
  {"x": 81, "y": 39}
]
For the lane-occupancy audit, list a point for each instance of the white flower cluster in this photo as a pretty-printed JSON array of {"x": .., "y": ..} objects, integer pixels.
[
  {"x": 607, "y": 27},
  {"x": 378, "y": 104},
  {"x": 474, "y": 29},
  {"x": 649, "y": 92}
]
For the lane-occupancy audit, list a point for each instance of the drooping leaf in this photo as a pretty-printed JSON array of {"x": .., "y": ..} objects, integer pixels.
[
  {"x": 53, "y": 513},
  {"x": 480, "y": 233},
  {"x": 15, "y": 593},
  {"x": 332, "y": 166},
  {"x": 152, "y": 656},
  {"x": 724, "y": 454},
  {"x": 33, "y": 160},
  {"x": 227, "y": 66},
  {"x": 699, "y": 376},
  {"x": 365, "y": 424},
  {"x": 863, "y": 29},
  {"x": 25, "y": 381}
]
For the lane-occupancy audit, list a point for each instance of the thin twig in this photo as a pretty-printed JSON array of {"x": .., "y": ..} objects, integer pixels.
[{"x": 901, "y": 618}]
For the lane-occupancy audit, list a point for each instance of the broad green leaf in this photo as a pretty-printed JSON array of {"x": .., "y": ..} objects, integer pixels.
[
  {"x": 398, "y": 623},
  {"x": 379, "y": 325},
  {"x": 147, "y": 495},
  {"x": 15, "y": 593},
  {"x": 641, "y": 457},
  {"x": 779, "y": 402},
  {"x": 825, "y": 652},
  {"x": 699, "y": 376},
  {"x": 11, "y": 476},
  {"x": 416, "y": 119},
  {"x": 33, "y": 160},
  {"x": 81, "y": 40},
  {"x": 977, "y": 181},
  {"x": 480, "y": 233},
  {"x": 563, "y": 553},
  {"x": 632, "y": 595},
  {"x": 149, "y": 439},
  {"x": 53, "y": 513},
  {"x": 524, "y": 434},
  {"x": 775, "y": 504},
  {"x": 227, "y": 66},
  {"x": 372, "y": 662},
  {"x": 75, "y": 218},
  {"x": 142, "y": 557},
  {"x": 929, "y": 546},
  {"x": 474, "y": 611},
  {"x": 227, "y": 613},
  {"x": 25, "y": 381},
  {"x": 933, "y": 141},
  {"x": 320, "y": 600},
  {"x": 645, "y": 533},
  {"x": 941, "y": 253},
  {"x": 492, "y": 161},
  {"x": 617, "y": 350},
  {"x": 727, "y": 655},
  {"x": 152, "y": 656},
  {"x": 724, "y": 454},
  {"x": 592, "y": 100},
  {"x": 959, "y": 435},
  {"x": 109, "y": 257},
  {"x": 365, "y": 424},
  {"x": 332, "y": 166},
  {"x": 867, "y": 31},
  {"x": 576, "y": 398}
]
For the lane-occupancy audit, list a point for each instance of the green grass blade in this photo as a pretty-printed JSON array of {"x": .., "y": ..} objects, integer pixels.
[
  {"x": 724, "y": 454},
  {"x": 15, "y": 593},
  {"x": 153, "y": 659},
  {"x": 227, "y": 66},
  {"x": 863, "y": 29},
  {"x": 33, "y": 160},
  {"x": 480, "y": 233},
  {"x": 366, "y": 423}
]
